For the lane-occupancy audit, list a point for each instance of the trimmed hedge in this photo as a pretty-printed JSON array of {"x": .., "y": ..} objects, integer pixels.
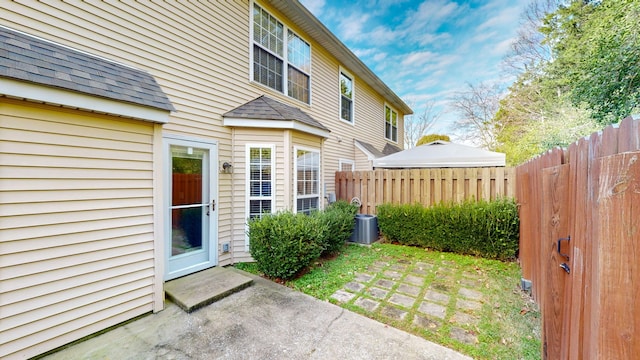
[
  {"x": 486, "y": 229},
  {"x": 283, "y": 244},
  {"x": 339, "y": 218}
]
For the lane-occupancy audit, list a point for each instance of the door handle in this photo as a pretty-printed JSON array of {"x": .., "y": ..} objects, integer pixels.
[{"x": 211, "y": 207}]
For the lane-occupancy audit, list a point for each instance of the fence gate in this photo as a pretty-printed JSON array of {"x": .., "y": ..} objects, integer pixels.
[
  {"x": 580, "y": 244},
  {"x": 555, "y": 258}
]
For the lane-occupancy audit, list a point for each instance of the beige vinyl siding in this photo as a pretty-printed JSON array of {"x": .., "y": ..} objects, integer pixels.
[
  {"x": 77, "y": 233},
  {"x": 362, "y": 162},
  {"x": 198, "y": 52}
]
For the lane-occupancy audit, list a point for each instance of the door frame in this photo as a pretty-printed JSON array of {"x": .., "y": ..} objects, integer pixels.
[{"x": 212, "y": 146}]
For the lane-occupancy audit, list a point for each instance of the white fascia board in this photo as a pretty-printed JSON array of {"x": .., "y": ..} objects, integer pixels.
[
  {"x": 275, "y": 124},
  {"x": 68, "y": 98}
]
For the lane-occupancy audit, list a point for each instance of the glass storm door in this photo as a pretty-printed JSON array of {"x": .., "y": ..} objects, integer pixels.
[{"x": 191, "y": 236}]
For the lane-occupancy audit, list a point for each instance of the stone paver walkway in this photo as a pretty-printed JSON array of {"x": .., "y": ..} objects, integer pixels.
[{"x": 430, "y": 296}]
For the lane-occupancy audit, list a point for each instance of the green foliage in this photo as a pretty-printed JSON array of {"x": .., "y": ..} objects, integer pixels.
[
  {"x": 585, "y": 76},
  {"x": 283, "y": 244},
  {"x": 431, "y": 138},
  {"x": 596, "y": 47},
  {"x": 339, "y": 219},
  {"x": 487, "y": 229}
]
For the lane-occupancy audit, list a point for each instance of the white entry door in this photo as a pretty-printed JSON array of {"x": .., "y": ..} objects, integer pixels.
[{"x": 190, "y": 216}]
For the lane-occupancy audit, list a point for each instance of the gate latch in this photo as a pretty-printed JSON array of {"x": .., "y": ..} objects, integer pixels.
[
  {"x": 565, "y": 267},
  {"x": 567, "y": 239}
]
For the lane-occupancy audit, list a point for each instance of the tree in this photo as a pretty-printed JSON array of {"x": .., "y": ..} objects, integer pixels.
[
  {"x": 529, "y": 51},
  {"x": 415, "y": 126},
  {"x": 431, "y": 138},
  {"x": 476, "y": 107},
  {"x": 596, "y": 46}
]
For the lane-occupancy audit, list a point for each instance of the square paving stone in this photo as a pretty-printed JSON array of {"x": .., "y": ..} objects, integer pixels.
[
  {"x": 472, "y": 283},
  {"x": 426, "y": 323},
  {"x": 470, "y": 294},
  {"x": 354, "y": 286},
  {"x": 464, "y": 336},
  {"x": 436, "y": 296},
  {"x": 380, "y": 264},
  {"x": 468, "y": 305},
  {"x": 392, "y": 274},
  {"x": 415, "y": 280},
  {"x": 399, "y": 267},
  {"x": 367, "y": 304},
  {"x": 470, "y": 275},
  {"x": 464, "y": 319},
  {"x": 377, "y": 293},
  {"x": 423, "y": 265},
  {"x": 387, "y": 284},
  {"x": 402, "y": 300},
  {"x": 432, "y": 309},
  {"x": 439, "y": 286},
  {"x": 419, "y": 271},
  {"x": 409, "y": 289},
  {"x": 393, "y": 313},
  {"x": 342, "y": 296},
  {"x": 364, "y": 278}
]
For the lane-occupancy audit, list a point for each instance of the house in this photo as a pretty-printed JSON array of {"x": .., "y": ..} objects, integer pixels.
[{"x": 136, "y": 138}]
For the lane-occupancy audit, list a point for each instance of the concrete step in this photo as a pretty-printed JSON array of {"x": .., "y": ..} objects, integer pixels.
[{"x": 200, "y": 289}]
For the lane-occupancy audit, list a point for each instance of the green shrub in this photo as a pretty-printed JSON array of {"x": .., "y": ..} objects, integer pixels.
[
  {"x": 339, "y": 219},
  {"x": 487, "y": 229},
  {"x": 282, "y": 244}
]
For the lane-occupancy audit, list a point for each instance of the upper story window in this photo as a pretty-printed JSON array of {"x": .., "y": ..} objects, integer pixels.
[
  {"x": 390, "y": 124},
  {"x": 346, "y": 97},
  {"x": 280, "y": 62}
]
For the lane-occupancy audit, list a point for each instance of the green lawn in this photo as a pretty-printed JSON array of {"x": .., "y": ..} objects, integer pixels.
[{"x": 506, "y": 326}]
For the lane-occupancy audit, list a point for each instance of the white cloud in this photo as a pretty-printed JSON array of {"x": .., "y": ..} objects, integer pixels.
[
  {"x": 351, "y": 28},
  {"x": 380, "y": 56},
  {"x": 316, "y": 7},
  {"x": 362, "y": 53},
  {"x": 505, "y": 19}
]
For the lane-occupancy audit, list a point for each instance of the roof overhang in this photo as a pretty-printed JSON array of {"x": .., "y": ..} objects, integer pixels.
[
  {"x": 370, "y": 155},
  {"x": 72, "y": 99},
  {"x": 275, "y": 124}
]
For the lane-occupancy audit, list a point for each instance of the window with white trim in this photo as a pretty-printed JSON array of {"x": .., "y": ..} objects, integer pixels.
[
  {"x": 260, "y": 180},
  {"x": 345, "y": 165},
  {"x": 346, "y": 97},
  {"x": 390, "y": 124},
  {"x": 273, "y": 53},
  {"x": 307, "y": 172}
]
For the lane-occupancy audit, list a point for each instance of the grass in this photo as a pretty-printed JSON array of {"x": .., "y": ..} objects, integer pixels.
[{"x": 508, "y": 325}]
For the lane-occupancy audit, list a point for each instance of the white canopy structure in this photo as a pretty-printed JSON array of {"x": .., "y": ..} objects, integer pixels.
[{"x": 440, "y": 154}]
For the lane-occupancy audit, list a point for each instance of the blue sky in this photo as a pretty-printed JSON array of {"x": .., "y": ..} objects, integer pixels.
[{"x": 426, "y": 50}]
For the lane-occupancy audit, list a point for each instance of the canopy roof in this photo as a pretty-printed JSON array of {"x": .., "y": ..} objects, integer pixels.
[{"x": 441, "y": 153}]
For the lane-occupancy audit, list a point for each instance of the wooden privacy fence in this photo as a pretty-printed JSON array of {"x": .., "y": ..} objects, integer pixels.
[
  {"x": 580, "y": 244},
  {"x": 424, "y": 186}
]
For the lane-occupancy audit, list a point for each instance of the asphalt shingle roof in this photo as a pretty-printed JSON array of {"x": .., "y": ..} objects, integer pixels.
[
  {"x": 27, "y": 58},
  {"x": 371, "y": 149},
  {"x": 266, "y": 108},
  {"x": 390, "y": 149}
]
